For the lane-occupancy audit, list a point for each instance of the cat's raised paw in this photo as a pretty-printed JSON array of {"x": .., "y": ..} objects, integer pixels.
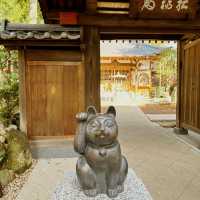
[{"x": 82, "y": 116}]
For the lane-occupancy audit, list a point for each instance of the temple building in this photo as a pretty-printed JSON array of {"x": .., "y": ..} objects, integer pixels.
[{"x": 128, "y": 66}]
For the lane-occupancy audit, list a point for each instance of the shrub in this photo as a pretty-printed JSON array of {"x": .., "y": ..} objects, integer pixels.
[{"x": 9, "y": 99}]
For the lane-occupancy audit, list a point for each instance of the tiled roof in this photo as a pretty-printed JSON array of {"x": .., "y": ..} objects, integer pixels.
[
  {"x": 38, "y": 35},
  {"x": 37, "y": 32}
]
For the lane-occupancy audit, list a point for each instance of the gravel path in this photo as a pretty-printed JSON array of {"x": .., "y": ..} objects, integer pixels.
[{"x": 12, "y": 190}]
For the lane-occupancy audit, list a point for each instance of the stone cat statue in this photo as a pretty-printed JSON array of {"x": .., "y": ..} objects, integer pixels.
[{"x": 101, "y": 168}]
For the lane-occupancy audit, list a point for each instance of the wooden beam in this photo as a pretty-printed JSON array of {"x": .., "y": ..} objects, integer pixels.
[
  {"x": 91, "y": 6},
  {"x": 16, "y": 44},
  {"x": 125, "y": 21},
  {"x": 137, "y": 34},
  {"x": 91, "y": 53},
  {"x": 191, "y": 43},
  {"x": 133, "y": 9},
  {"x": 39, "y": 27},
  {"x": 113, "y": 5}
]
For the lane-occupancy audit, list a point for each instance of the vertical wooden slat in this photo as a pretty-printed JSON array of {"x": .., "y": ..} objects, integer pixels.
[
  {"x": 22, "y": 91},
  {"x": 179, "y": 74},
  {"x": 189, "y": 85},
  {"x": 191, "y": 88},
  {"x": 185, "y": 68},
  {"x": 194, "y": 87},
  {"x": 38, "y": 99},
  {"x": 28, "y": 99},
  {"x": 198, "y": 89},
  {"x": 71, "y": 98},
  {"x": 54, "y": 107},
  {"x": 81, "y": 83},
  {"x": 188, "y": 88}
]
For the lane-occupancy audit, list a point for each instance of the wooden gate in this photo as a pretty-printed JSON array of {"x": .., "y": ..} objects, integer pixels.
[
  {"x": 54, "y": 96},
  {"x": 190, "y": 87}
]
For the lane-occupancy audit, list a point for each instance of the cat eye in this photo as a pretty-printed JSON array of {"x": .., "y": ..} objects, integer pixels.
[
  {"x": 108, "y": 123},
  {"x": 94, "y": 124}
]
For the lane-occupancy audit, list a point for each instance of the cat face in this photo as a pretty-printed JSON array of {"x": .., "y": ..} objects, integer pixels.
[{"x": 101, "y": 129}]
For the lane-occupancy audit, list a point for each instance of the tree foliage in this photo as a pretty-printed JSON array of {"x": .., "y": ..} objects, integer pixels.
[
  {"x": 17, "y": 11},
  {"x": 9, "y": 85},
  {"x": 14, "y": 10},
  {"x": 167, "y": 67},
  {"x": 8, "y": 60},
  {"x": 9, "y": 99}
]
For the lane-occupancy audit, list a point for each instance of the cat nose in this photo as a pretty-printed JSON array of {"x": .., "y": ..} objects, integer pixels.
[{"x": 102, "y": 129}]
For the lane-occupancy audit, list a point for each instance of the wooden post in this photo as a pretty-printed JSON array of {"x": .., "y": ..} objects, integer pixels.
[
  {"x": 180, "y": 61},
  {"x": 22, "y": 90},
  {"x": 91, "y": 53},
  {"x": 133, "y": 9},
  {"x": 91, "y": 6}
]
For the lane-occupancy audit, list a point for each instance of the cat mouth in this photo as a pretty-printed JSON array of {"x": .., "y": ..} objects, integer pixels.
[{"x": 101, "y": 135}]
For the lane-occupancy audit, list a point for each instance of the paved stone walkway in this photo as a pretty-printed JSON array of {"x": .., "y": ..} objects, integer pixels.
[
  {"x": 162, "y": 117},
  {"x": 168, "y": 167}
]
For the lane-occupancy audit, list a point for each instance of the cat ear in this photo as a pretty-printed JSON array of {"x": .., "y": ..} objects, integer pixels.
[
  {"x": 91, "y": 110},
  {"x": 111, "y": 110}
]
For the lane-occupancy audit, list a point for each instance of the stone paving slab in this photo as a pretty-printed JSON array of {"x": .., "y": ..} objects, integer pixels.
[
  {"x": 168, "y": 167},
  {"x": 162, "y": 117},
  {"x": 45, "y": 177}
]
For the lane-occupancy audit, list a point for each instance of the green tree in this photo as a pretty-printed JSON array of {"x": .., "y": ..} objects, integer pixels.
[
  {"x": 9, "y": 98},
  {"x": 14, "y": 10},
  {"x": 8, "y": 60},
  {"x": 18, "y": 11},
  {"x": 167, "y": 67}
]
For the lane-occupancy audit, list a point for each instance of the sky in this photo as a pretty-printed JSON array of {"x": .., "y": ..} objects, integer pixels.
[{"x": 133, "y": 47}]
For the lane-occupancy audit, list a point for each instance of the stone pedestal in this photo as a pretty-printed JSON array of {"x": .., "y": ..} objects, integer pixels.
[{"x": 69, "y": 189}]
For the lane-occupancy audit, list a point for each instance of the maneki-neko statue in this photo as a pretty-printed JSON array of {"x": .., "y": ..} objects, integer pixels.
[{"x": 101, "y": 168}]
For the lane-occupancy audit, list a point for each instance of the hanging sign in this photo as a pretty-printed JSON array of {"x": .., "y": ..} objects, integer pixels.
[
  {"x": 168, "y": 9},
  {"x": 68, "y": 18}
]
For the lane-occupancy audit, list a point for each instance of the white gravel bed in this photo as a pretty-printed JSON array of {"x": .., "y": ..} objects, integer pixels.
[
  {"x": 69, "y": 189},
  {"x": 12, "y": 190}
]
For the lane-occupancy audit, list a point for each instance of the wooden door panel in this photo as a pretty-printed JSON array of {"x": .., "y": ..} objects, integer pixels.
[
  {"x": 198, "y": 90},
  {"x": 71, "y": 98},
  {"x": 54, "y": 107},
  {"x": 191, "y": 87},
  {"x": 54, "y": 98},
  {"x": 37, "y": 99}
]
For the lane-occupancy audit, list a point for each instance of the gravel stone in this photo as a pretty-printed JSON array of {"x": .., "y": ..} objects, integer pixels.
[{"x": 12, "y": 189}]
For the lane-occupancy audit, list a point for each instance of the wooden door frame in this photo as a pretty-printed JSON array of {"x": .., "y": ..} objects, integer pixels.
[
  {"x": 129, "y": 33},
  {"x": 23, "y": 85}
]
